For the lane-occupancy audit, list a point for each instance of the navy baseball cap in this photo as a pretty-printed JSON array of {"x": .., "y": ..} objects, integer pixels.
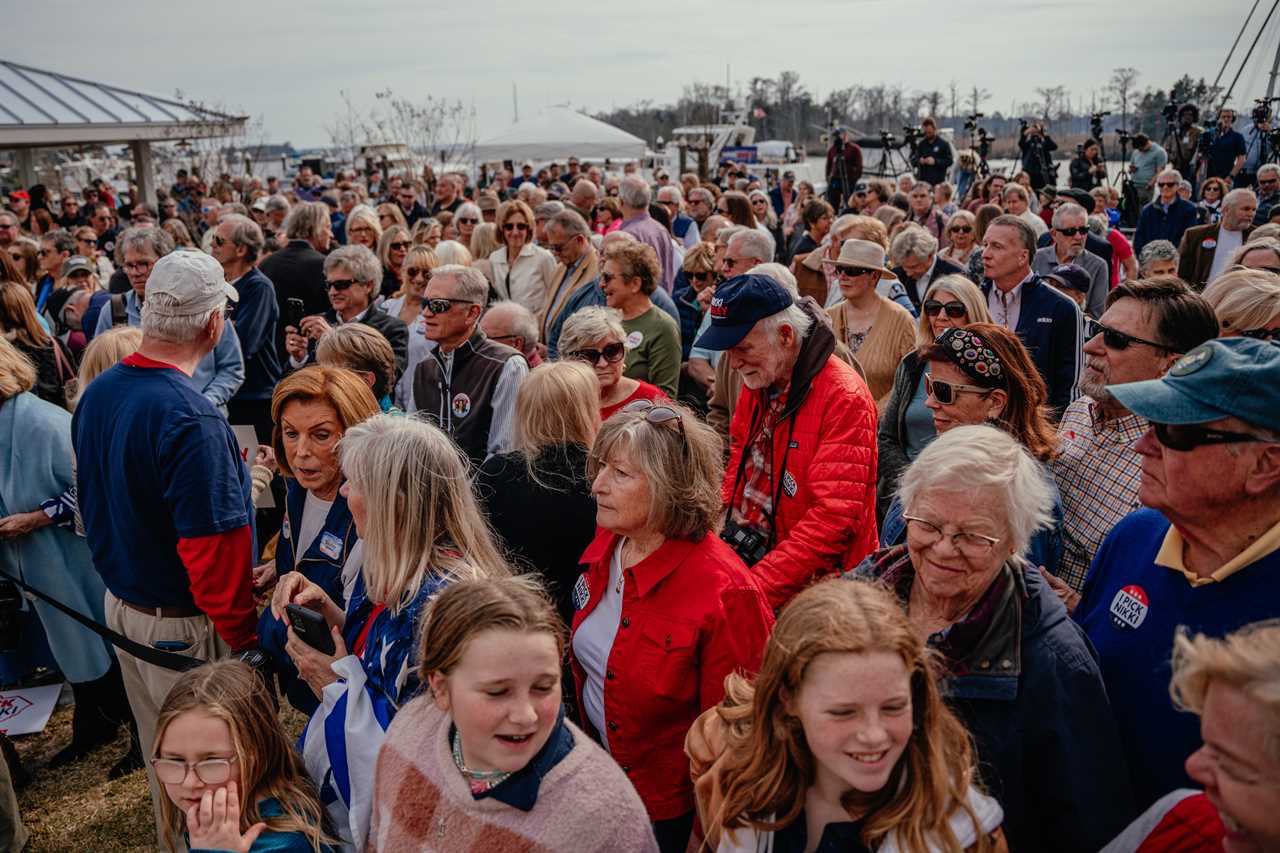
[
  {"x": 1070, "y": 275},
  {"x": 1222, "y": 378},
  {"x": 738, "y": 305}
]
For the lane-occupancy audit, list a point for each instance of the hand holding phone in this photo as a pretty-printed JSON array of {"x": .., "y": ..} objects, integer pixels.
[{"x": 310, "y": 627}]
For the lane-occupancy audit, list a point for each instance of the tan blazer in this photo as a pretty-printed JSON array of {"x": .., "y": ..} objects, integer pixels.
[{"x": 558, "y": 296}]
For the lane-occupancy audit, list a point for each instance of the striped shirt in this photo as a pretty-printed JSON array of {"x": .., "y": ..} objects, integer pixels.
[{"x": 1098, "y": 475}]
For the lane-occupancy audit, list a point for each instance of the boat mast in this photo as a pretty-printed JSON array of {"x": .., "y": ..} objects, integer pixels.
[{"x": 1275, "y": 71}]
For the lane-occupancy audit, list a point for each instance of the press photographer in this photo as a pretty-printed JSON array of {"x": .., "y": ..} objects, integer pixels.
[
  {"x": 1223, "y": 148},
  {"x": 1182, "y": 134},
  {"x": 1088, "y": 169},
  {"x": 1036, "y": 146},
  {"x": 844, "y": 167},
  {"x": 931, "y": 156}
]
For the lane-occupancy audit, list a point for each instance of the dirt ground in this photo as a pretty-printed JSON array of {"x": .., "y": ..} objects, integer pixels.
[{"x": 75, "y": 808}]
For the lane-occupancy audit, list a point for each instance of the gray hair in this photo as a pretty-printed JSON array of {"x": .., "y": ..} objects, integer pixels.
[
  {"x": 1098, "y": 225},
  {"x": 914, "y": 242},
  {"x": 1171, "y": 173},
  {"x": 969, "y": 458},
  {"x": 357, "y": 260},
  {"x": 245, "y": 232},
  {"x": 547, "y": 209},
  {"x": 453, "y": 252},
  {"x": 1244, "y": 299},
  {"x": 1156, "y": 250},
  {"x": 1184, "y": 184},
  {"x": 671, "y": 190},
  {"x": 470, "y": 209},
  {"x": 153, "y": 238},
  {"x": 752, "y": 243},
  {"x": 702, "y": 194},
  {"x": 1068, "y": 209},
  {"x": 274, "y": 203},
  {"x": 61, "y": 239},
  {"x": 780, "y": 274},
  {"x": 570, "y": 223},
  {"x": 590, "y": 324},
  {"x": 306, "y": 221},
  {"x": 1233, "y": 198},
  {"x": 794, "y": 316},
  {"x": 470, "y": 282},
  {"x": 1266, "y": 244},
  {"x": 726, "y": 233},
  {"x": 1011, "y": 189},
  {"x": 520, "y": 320},
  {"x": 634, "y": 192},
  {"x": 1269, "y": 168}
]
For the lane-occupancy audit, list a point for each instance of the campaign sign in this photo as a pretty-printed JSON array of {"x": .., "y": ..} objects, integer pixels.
[
  {"x": 247, "y": 438},
  {"x": 25, "y": 711}
]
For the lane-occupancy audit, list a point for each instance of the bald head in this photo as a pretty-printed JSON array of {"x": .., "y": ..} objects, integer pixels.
[{"x": 584, "y": 195}]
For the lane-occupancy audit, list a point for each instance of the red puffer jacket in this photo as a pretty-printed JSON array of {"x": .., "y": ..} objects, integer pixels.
[
  {"x": 691, "y": 614},
  {"x": 824, "y": 468}
]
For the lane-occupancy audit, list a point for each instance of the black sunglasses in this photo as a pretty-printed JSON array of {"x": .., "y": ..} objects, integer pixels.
[
  {"x": 1185, "y": 437},
  {"x": 612, "y": 353},
  {"x": 467, "y": 220},
  {"x": 961, "y": 229},
  {"x": 852, "y": 272},
  {"x": 955, "y": 310},
  {"x": 514, "y": 226},
  {"x": 1116, "y": 339},
  {"x": 401, "y": 246},
  {"x": 341, "y": 283},
  {"x": 440, "y": 305},
  {"x": 1262, "y": 334},
  {"x": 698, "y": 276},
  {"x": 1073, "y": 232}
]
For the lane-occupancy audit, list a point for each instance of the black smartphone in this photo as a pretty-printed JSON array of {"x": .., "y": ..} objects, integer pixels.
[
  {"x": 294, "y": 310},
  {"x": 310, "y": 627}
]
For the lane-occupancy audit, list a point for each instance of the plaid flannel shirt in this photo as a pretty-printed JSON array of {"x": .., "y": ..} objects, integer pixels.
[
  {"x": 754, "y": 508},
  {"x": 1098, "y": 475}
]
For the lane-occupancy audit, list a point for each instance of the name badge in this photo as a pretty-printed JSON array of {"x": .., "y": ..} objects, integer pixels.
[
  {"x": 581, "y": 592},
  {"x": 330, "y": 546}
]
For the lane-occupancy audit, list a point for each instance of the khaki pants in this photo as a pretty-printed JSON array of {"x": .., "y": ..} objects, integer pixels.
[{"x": 147, "y": 685}]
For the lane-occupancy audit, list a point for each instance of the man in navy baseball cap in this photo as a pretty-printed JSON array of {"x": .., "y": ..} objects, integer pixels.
[
  {"x": 738, "y": 305},
  {"x": 1203, "y": 557}
]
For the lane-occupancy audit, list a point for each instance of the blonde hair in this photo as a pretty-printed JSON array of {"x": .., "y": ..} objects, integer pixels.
[
  {"x": 269, "y": 766},
  {"x": 1244, "y": 299},
  {"x": 558, "y": 403},
  {"x": 453, "y": 252},
  {"x": 348, "y": 394},
  {"x": 863, "y": 228},
  {"x": 361, "y": 348},
  {"x": 966, "y": 292},
  {"x": 484, "y": 240},
  {"x": 423, "y": 515},
  {"x": 469, "y": 607},
  {"x": 683, "y": 467},
  {"x": 1247, "y": 659},
  {"x": 367, "y": 215},
  {"x": 593, "y": 323},
  {"x": 384, "y": 244},
  {"x": 394, "y": 211},
  {"x": 420, "y": 254},
  {"x": 768, "y": 763},
  {"x": 17, "y": 373},
  {"x": 105, "y": 351}
]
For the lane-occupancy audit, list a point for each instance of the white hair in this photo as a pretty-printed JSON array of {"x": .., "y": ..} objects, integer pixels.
[
  {"x": 752, "y": 243},
  {"x": 971, "y": 458},
  {"x": 453, "y": 252},
  {"x": 671, "y": 190},
  {"x": 794, "y": 316},
  {"x": 357, "y": 260},
  {"x": 520, "y": 320},
  {"x": 1171, "y": 173},
  {"x": 915, "y": 242},
  {"x": 634, "y": 192},
  {"x": 176, "y": 328},
  {"x": 780, "y": 274},
  {"x": 588, "y": 325},
  {"x": 471, "y": 283},
  {"x": 1269, "y": 168},
  {"x": 1069, "y": 209}
]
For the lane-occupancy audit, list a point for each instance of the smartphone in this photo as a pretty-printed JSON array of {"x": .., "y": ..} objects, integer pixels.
[
  {"x": 294, "y": 310},
  {"x": 310, "y": 627}
]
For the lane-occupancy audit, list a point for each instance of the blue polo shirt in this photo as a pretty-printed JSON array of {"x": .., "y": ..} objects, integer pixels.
[
  {"x": 1130, "y": 609},
  {"x": 155, "y": 463}
]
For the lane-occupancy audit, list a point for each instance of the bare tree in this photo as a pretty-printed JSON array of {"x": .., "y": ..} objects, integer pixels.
[
  {"x": 1050, "y": 97},
  {"x": 1122, "y": 86},
  {"x": 977, "y": 97},
  {"x": 953, "y": 89}
]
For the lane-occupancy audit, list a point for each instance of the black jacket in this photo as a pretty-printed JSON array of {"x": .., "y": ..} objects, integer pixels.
[
  {"x": 523, "y": 512},
  {"x": 941, "y": 267},
  {"x": 891, "y": 434},
  {"x": 297, "y": 271},
  {"x": 392, "y": 328},
  {"x": 1036, "y": 161},
  {"x": 1081, "y": 176},
  {"x": 256, "y": 316},
  {"x": 940, "y": 151},
  {"x": 1051, "y": 327}
]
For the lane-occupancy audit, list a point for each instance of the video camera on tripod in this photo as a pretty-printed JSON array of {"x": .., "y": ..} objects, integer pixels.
[
  {"x": 1095, "y": 124},
  {"x": 911, "y": 136},
  {"x": 1261, "y": 112}
]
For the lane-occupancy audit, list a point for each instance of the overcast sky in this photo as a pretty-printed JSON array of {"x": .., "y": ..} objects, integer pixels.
[{"x": 286, "y": 62}]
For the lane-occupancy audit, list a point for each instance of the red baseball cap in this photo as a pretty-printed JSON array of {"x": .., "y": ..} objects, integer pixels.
[{"x": 20, "y": 194}]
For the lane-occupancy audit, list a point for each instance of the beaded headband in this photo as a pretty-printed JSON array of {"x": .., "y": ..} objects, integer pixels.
[{"x": 973, "y": 355}]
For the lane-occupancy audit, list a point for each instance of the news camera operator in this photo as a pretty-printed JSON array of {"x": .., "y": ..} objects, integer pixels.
[
  {"x": 1088, "y": 169},
  {"x": 1182, "y": 135},
  {"x": 931, "y": 155},
  {"x": 1036, "y": 144},
  {"x": 844, "y": 168}
]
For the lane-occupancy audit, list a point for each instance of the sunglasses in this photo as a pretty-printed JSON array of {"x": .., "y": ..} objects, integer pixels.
[
  {"x": 852, "y": 272},
  {"x": 341, "y": 284},
  {"x": 218, "y": 241},
  {"x": 656, "y": 414},
  {"x": 515, "y": 226},
  {"x": 1186, "y": 437},
  {"x": 1262, "y": 334},
  {"x": 440, "y": 305},
  {"x": 401, "y": 246},
  {"x": 417, "y": 272},
  {"x": 955, "y": 310},
  {"x": 1073, "y": 232},
  {"x": 961, "y": 229},
  {"x": 945, "y": 392},
  {"x": 612, "y": 353},
  {"x": 211, "y": 771},
  {"x": 1116, "y": 339},
  {"x": 1165, "y": 184},
  {"x": 467, "y": 220},
  {"x": 699, "y": 276}
]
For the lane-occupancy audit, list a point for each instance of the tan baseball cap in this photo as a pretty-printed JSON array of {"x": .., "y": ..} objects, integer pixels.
[{"x": 190, "y": 283}]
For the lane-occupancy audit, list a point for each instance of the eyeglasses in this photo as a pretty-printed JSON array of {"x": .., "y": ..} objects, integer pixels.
[
  {"x": 515, "y": 226},
  {"x": 417, "y": 272},
  {"x": 211, "y": 771},
  {"x": 440, "y": 304},
  {"x": 955, "y": 310},
  {"x": 341, "y": 284},
  {"x": 927, "y": 534},
  {"x": 945, "y": 392},
  {"x": 1073, "y": 232},
  {"x": 1187, "y": 437},
  {"x": 657, "y": 415},
  {"x": 1262, "y": 334},
  {"x": 960, "y": 229},
  {"x": 606, "y": 277},
  {"x": 612, "y": 353},
  {"x": 1116, "y": 339},
  {"x": 467, "y": 220},
  {"x": 852, "y": 272},
  {"x": 138, "y": 266},
  {"x": 401, "y": 246}
]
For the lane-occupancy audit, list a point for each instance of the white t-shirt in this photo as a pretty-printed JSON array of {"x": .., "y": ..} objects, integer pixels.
[
  {"x": 1228, "y": 242},
  {"x": 593, "y": 642},
  {"x": 314, "y": 512}
]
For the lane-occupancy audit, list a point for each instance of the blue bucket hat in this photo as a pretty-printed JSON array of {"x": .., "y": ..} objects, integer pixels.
[
  {"x": 1223, "y": 378},
  {"x": 738, "y": 305}
]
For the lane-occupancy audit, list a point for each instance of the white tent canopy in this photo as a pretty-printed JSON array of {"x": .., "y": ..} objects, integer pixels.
[{"x": 559, "y": 133}]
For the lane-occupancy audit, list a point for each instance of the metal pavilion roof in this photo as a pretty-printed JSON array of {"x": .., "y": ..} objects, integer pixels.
[{"x": 45, "y": 109}]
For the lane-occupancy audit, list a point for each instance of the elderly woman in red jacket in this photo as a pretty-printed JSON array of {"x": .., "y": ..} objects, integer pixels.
[{"x": 665, "y": 609}]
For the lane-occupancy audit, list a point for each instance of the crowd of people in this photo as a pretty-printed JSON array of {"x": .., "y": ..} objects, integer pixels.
[{"x": 618, "y": 514}]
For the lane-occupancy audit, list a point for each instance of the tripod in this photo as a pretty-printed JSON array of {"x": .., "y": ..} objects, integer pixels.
[
  {"x": 887, "y": 166},
  {"x": 1130, "y": 203}
]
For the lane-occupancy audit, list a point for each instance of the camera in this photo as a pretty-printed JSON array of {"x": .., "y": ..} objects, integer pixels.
[
  {"x": 888, "y": 140},
  {"x": 749, "y": 544},
  {"x": 1095, "y": 123},
  {"x": 971, "y": 122},
  {"x": 1261, "y": 113}
]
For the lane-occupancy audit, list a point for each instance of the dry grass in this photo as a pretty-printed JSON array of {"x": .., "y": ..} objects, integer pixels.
[{"x": 75, "y": 808}]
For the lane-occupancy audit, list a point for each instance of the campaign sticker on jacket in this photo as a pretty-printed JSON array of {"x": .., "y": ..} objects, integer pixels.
[
  {"x": 1209, "y": 243},
  {"x": 330, "y": 546},
  {"x": 461, "y": 405},
  {"x": 284, "y": 528},
  {"x": 581, "y": 592},
  {"x": 635, "y": 339},
  {"x": 789, "y": 484},
  {"x": 1129, "y": 607}
]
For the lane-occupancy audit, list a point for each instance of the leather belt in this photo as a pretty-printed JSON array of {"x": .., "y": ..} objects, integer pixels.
[{"x": 165, "y": 612}]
